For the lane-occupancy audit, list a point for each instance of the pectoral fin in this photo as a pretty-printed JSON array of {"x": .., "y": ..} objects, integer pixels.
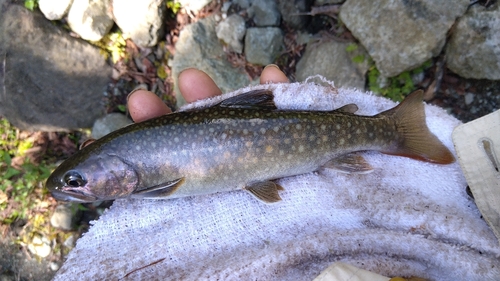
[
  {"x": 266, "y": 191},
  {"x": 348, "y": 108},
  {"x": 159, "y": 191},
  {"x": 350, "y": 163}
]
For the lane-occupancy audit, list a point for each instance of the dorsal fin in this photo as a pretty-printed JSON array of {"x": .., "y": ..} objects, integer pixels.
[
  {"x": 86, "y": 143},
  {"x": 251, "y": 100},
  {"x": 348, "y": 108}
]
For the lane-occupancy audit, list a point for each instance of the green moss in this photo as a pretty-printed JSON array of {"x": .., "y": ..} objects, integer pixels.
[{"x": 397, "y": 87}]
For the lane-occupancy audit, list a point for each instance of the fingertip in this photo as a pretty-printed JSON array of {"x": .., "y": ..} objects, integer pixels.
[
  {"x": 144, "y": 105},
  {"x": 273, "y": 74},
  {"x": 195, "y": 85}
]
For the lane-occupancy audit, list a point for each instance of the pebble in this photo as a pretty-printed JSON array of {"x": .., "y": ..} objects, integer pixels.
[
  {"x": 469, "y": 98},
  {"x": 62, "y": 217},
  {"x": 40, "y": 246}
]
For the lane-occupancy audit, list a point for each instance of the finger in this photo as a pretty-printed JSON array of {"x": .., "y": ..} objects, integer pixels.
[
  {"x": 144, "y": 105},
  {"x": 195, "y": 85},
  {"x": 273, "y": 74}
]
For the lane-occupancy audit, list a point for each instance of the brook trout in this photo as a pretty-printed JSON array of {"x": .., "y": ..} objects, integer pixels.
[{"x": 244, "y": 142}]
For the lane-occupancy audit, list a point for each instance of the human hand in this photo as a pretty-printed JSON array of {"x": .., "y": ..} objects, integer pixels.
[{"x": 194, "y": 85}]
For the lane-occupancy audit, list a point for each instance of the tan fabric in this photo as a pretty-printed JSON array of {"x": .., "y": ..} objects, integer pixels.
[
  {"x": 344, "y": 272},
  {"x": 478, "y": 149}
]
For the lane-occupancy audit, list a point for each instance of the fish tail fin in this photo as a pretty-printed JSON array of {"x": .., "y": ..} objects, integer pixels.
[{"x": 417, "y": 141}]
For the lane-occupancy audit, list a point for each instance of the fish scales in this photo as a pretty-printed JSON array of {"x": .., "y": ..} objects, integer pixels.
[{"x": 224, "y": 148}]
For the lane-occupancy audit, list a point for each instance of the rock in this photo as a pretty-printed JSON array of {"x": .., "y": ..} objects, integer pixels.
[
  {"x": 142, "y": 20},
  {"x": 401, "y": 35},
  {"x": 331, "y": 60},
  {"x": 469, "y": 98},
  {"x": 109, "y": 123},
  {"x": 62, "y": 217},
  {"x": 54, "y": 9},
  {"x": 48, "y": 80},
  {"x": 289, "y": 11},
  {"x": 199, "y": 47},
  {"x": 40, "y": 246},
  {"x": 90, "y": 19},
  {"x": 54, "y": 266},
  {"x": 474, "y": 47},
  {"x": 263, "y": 44},
  {"x": 193, "y": 5},
  {"x": 244, "y": 4},
  {"x": 264, "y": 13},
  {"x": 231, "y": 31}
]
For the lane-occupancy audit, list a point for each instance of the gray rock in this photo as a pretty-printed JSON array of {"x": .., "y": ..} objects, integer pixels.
[
  {"x": 62, "y": 217},
  {"x": 469, "y": 98},
  {"x": 264, "y": 13},
  {"x": 263, "y": 44},
  {"x": 290, "y": 9},
  {"x": 199, "y": 47},
  {"x": 244, "y": 4},
  {"x": 193, "y": 5},
  {"x": 403, "y": 34},
  {"x": 48, "y": 80},
  {"x": 231, "y": 31},
  {"x": 331, "y": 60},
  {"x": 142, "y": 20},
  {"x": 90, "y": 19},
  {"x": 474, "y": 47},
  {"x": 109, "y": 123},
  {"x": 54, "y": 9}
]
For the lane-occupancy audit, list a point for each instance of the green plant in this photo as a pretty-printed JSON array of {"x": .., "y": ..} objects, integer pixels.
[
  {"x": 113, "y": 44},
  {"x": 174, "y": 6},
  {"x": 397, "y": 87},
  {"x": 21, "y": 185},
  {"x": 30, "y": 4}
]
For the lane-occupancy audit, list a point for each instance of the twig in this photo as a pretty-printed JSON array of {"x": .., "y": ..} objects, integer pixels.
[{"x": 142, "y": 267}]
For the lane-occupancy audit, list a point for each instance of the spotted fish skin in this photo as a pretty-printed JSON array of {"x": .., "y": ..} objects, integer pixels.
[{"x": 235, "y": 145}]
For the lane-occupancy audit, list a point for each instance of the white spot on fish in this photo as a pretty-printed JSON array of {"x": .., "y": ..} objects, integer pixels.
[
  {"x": 262, "y": 130},
  {"x": 341, "y": 141},
  {"x": 176, "y": 139},
  {"x": 298, "y": 126},
  {"x": 245, "y": 131},
  {"x": 276, "y": 129},
  {"x": 137, "y": 147},
  {"x": 211, "y": 130},
  {"x": 337, "y": 126},
  {"x": 301, "y": 148}
]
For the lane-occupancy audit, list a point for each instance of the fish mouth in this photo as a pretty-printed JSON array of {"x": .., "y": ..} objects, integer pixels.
[{"x": 72, "y": 196}]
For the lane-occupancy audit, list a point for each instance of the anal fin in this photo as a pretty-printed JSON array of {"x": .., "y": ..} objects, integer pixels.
[
  {"x": 266, "y": 191},
  {"x": 350, "y": 163},
  {"x": 160, "y": 190}
]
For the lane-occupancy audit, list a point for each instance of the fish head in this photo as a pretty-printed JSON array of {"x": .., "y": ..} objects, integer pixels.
[{"x": 95, "y": 178}]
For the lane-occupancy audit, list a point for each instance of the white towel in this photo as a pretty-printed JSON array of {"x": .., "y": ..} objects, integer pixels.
[{"x": 407, "y": 218}]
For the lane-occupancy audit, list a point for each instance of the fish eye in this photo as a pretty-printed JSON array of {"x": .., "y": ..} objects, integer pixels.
[{"x": 74, "y": 179}]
